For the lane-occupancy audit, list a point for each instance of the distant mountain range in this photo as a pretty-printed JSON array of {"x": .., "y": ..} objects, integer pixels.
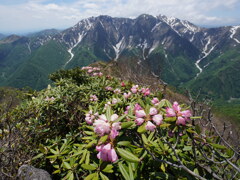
[{"x": 179, "y": 52}]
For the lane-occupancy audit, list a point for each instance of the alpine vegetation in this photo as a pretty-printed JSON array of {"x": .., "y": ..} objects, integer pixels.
[{"x": 90, "y": 125}]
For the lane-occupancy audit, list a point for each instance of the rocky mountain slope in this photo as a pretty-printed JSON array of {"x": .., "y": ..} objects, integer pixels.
[{"x": 177, "y": 51}]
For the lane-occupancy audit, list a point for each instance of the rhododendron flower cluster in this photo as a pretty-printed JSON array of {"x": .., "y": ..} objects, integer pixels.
[
  {"x": 117, "y": 91},
  {"x": 144, "y": 91},
  {"x": 152, "y": 116},
  {"x": 90, "y": 117},
  {"x": 182, "y": 116},
  {"x": 127, "y": 95},
  {"x": 93, "y": 98},
  {"x": 103, "y": 126},
  {"x": 106, "y": 152},
  {"x": 93, "y": 71},
  {"x": 49, "y": 98},
  {"x": 108, "y": 88}
]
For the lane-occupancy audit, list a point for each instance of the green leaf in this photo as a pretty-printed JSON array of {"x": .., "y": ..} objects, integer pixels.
[
  {"x": 124, "y": 143},
  {"x": 88, "y": 167},
  {"x": 87, "y": 160},
  {"x": 123, "y": 171},
  {"x": 108, "y": 113},
  {"x": 103, "y": 177},
  {"x": 170, "y": 119},
  {"x": 167, "y": 103},
  {"x": 37, "y": 156},
  {"x": 108, "y": 169},
  {"x": 103, "y": 139},
  {"x": 121, "y": 118},
  {"x": 144, "y": 138},
  {"x": 218, "y": 146},
  {"x": 165, "y": 125},
  {"x": 130, "y": 171},
  {"x": 89, "y": 145},
  {"x": 127, "y": 124},
  {"x": 191, "y": 131},
  {"x": 66, "y": 165},
  {"x": 187, "y": 148},
  {"x": 141, "y": 129},
  {"x": 90, "y": 176},
  {"x": 57, "y": 171},
  {"x": 53, "y": 151},
  {"x": 127, "y": 155}
]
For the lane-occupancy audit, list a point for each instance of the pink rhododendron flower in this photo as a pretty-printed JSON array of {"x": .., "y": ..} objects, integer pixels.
[
  {"x": 123, "y": 84},
  {"x": 127, "y": 95},
  {"x": 137, "y": 107},
  {"x": 113, "y": 134},
  {"x": 106, "y": 153},
  {"x": 140, "y": 113},
  {"x": 109, "y": 88},
  {"x": 93, "y": 98},
  {"x": 186, "y": 114},
  {"x": 150, "y": 126},
  {"x": 181, "y": 121},
  {"x": 176, "y": 107},
  {"x": 155, "y": 101},
  {"x": 49, "y": 99},
  {"x": 103, "y": 117},
  {"x": 116, "y": 126},
  {"x": 170, "y": 112},
  {"x": 157, "y": 119},
  {"x": 90, "y": 117},
  {"x": 100, "y": 74},
  {"x": 101, "y": 127},
  {"x": 182, "y": 116},
  {"x": 134, "y": 89},
  {"x": 145, "y": 91},
  {"x": 114, "y": 117},
  {"x": 117, "y": 91},
  {"x": 114, "y": 101},
  {"x": 90, "y": 70},
  {"x": 139, "y": 121},
  {"x": 153, "y": 111}
]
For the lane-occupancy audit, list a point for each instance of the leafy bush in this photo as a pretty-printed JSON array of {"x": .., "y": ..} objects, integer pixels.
[{"x": 93, "y": 126}]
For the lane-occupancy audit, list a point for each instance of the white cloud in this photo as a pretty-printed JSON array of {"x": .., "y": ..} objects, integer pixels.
[{"x": 40, "y": 14}]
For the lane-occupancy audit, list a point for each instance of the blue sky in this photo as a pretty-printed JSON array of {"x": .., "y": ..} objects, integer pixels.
[{"x": 21, "y": 16}]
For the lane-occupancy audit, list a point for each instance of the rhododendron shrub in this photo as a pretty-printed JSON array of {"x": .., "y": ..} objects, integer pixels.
[{"x": 98, "y": 127}]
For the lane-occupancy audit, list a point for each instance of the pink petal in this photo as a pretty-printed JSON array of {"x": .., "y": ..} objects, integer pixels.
[
  {"x": 157, "y": 119},
  {"x": 176, "y": 107},
  {"x": 150, "y": 126},
  {"x": 155, "y": 100},
  {"x": 114, "y": 117},
  {"x": 139, "y": 121},
  {"x": 112, "y": 155},
  {"x": 153, "y": 111},
  {"x": 103, "y": 117},
  {"x": 186, "y": 114},
  {"x": 181, "y": 121},
  {"x": 140, "y": 113},
  {"x": 170, "y": 112}
]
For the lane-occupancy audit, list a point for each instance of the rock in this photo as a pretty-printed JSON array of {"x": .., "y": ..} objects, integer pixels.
[{"x": 27, "y": 172}]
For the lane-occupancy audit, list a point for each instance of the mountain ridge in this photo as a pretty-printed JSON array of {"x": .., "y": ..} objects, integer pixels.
[{"x": 177, "y": 51}]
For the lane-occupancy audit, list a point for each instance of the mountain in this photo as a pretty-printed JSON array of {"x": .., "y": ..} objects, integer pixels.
[
  {"x": 2, "y": 36},
  {"x": 177, "y": 51}
]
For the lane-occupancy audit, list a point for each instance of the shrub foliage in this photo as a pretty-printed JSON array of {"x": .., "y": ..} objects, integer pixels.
[{"x": 91, "y": 126}]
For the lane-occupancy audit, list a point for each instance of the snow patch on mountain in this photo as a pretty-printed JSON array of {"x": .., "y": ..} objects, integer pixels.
[
  {"x": 118, "y": 47},
  {"x": 80, "y": 37},
  {"x": 233, "y": 31},
  {"x": 205, "y": 53}
]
